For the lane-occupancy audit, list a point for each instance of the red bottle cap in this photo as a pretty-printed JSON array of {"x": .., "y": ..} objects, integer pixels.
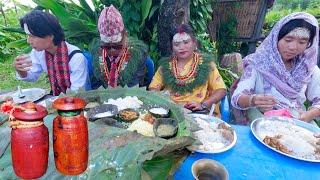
[
  {"x": 31, "y": 112},
  {"x": 69, "y": 103}
]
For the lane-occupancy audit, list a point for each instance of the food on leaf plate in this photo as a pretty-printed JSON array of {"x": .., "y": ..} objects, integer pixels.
[{"x": 128, "y": 114}]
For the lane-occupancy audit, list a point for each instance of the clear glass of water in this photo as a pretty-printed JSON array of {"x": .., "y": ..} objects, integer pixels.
[{"x": 27, "y": 62}]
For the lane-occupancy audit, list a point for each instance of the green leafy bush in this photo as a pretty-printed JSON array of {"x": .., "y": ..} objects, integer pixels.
[
  {"x": 274, "y": 16},
  {"x": 10, "y": 19},
  {"x": 200, "y": 15}
]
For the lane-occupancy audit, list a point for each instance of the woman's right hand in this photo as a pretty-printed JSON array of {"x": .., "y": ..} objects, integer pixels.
[
  {"x": 22, "y": 64},
  {"x": 264, "y": 102}
]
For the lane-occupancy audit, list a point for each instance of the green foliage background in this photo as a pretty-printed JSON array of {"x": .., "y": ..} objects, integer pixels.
[
  {"x": 200, "y": 15},
  {"x": 283, "y": 8},
  {"x": 6, "y": 37},
  {"x": 140, "y": 18},
  {"x": 9, "y": 49}
]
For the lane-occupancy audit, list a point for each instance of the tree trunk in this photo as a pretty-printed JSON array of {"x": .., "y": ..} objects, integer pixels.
[
  {"x": 15, "y": 7},
  {"x": 172, "y": 13},
  {"x": 4, "y": 15}
]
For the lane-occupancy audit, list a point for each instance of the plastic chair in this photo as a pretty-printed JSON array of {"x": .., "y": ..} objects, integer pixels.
[
  {"x": 150, "y": 70},
  {"x": 225, "y": 109}
]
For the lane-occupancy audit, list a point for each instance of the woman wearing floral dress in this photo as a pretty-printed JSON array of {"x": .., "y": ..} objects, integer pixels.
[
  {"x": 282, "y": 73},
  {"x": 191, "y": 78}
]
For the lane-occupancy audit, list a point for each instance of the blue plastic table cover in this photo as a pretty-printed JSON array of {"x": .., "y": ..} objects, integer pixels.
[{"x": 250, "y": 159}]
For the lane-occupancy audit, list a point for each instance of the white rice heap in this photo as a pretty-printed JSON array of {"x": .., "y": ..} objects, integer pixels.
[
  {"x": 128, "y": 102},
  {"x": 142, "y": 127},
  {"x": 299, "y": 140},
  {"x": 210, "y": 136},
  {"x": 104, "y": 114},
  {"x": 159, "y": 110}
]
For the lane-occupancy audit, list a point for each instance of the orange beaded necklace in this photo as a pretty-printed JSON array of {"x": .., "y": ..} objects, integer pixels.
[
  {"x": 192, "y": 72},
  {"x": 123, "y": 58}
]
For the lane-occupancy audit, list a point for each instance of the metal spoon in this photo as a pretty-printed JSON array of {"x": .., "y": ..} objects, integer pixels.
[
  {"x": 20, "y": 94},
  {"x": 212, "y": 109}
]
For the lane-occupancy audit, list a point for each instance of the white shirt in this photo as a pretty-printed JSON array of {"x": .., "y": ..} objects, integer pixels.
[
  {"x": 254, "y": 83},
  {"x": 79, "y": 76}
]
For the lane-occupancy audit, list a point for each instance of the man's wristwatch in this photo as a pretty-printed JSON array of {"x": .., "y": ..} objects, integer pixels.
[{"x": 204, "y": 105}]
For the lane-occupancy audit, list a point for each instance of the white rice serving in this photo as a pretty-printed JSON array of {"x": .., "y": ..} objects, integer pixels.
[
  {"x": 128, "y": 102},
  {"x": 142, "y": 127},
  {"x": 210, "y": 136},
  {"x": 159, "y": 110},
  {"x": 104, "y": 114},
  {"x": 300, "y": 141}
]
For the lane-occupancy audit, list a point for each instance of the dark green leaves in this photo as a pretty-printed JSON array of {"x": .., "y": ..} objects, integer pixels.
[
  {"x": 145, "y": 8},
  {"x": 56, "y": 8},
  {"x": 159, "y": 167},
  {"x": 200, "y": 15}
]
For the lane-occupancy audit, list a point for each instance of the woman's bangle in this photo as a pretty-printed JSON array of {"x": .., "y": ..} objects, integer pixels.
[
  {"x": 204, "y": 105},
  {"x": 251, "y": 100}
]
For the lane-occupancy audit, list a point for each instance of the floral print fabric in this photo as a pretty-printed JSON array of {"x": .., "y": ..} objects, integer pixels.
[
  {"x": 267, "y": 60},
  {"x": 265, "y": 73}
]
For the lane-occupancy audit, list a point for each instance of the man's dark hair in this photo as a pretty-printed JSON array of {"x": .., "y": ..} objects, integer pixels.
[
  {"x": 291, "y": 25},
  {"x": 42, "y": 24}
]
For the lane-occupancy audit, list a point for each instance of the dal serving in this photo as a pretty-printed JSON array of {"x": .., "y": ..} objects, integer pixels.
[
  {"x": 165, "y": 130},
  {"x": 165, "y": 127}
]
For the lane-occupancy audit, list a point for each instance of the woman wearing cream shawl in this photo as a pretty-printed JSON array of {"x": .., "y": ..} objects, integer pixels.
[{"x": 282, "y": 73}]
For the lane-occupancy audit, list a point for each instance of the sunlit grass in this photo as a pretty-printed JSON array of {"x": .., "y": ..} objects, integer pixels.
[{"x": 8, "y": 81}]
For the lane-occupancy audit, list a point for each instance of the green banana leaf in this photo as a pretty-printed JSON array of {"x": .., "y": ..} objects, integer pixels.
[
  {"x": 79, "y": 22},
  {"x": 145, "y": 9},
  {"x": 68, "y": 19},
  {"x": 148, "y": 98},
  {"x": 12, "y": 29},
  {"x": 3, "y": 118},
  {"x": 116, "y": 153},
  {"x": 87, "y": 10},
  {"x": 56, "y": 8},
  {"x": 21, "y": 43}
]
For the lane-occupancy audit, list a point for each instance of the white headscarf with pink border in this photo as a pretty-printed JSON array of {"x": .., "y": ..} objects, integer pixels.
[{"x": 267, "y": 59}]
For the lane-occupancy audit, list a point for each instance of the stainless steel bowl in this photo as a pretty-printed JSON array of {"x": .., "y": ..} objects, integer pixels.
[
  {"x": 209, "y": 169},
  {"x": 157, "y": 115}
]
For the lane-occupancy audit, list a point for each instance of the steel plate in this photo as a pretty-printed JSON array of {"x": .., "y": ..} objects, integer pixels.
[
  {"x": 212, "y": 119},
  {"x": 31, "y": 94},
  {"x": 294, "y": 122}
]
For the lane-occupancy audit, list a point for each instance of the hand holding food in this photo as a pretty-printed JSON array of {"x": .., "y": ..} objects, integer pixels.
[{"x": 264, "y": 102}]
